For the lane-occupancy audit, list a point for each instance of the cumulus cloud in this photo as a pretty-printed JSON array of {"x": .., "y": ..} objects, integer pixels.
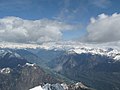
[
  {"x": 104, "y": 28},
  {"x": 15, "y": 29}
]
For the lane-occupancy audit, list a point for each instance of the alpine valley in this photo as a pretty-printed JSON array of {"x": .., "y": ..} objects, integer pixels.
[{"x": 60, "y": 66}]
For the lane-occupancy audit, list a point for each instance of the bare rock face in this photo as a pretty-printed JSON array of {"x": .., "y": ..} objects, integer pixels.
[
  {"x": 78, "y": 86},
  {"x": 24, "y": 78}
]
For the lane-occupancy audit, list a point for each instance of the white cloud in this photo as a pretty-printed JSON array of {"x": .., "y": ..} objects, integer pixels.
[
  {"x": 101, "y": 3},
  {"x": 15, "y": 29},
  {"x": 104, "y": 28}
]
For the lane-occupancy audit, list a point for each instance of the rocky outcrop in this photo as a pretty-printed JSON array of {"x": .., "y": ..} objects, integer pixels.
[{"x": 63, "y": 86}]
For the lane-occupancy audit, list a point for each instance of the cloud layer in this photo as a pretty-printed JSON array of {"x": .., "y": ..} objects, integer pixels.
[
  {"x": 104, "y": 28},
  {"x": 15, "y": 29}
]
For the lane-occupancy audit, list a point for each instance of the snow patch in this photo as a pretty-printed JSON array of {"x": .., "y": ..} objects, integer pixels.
[
  {"x": 10, "y": 53},
  {"x": 5, "y": 70},
  {"x": 117, "y": 57},
  {"x": 79, "y": 84},
  {"x": 49, "y": 87},
  {"x": 29, "y": 64},
  {"x": 64, "y": 85},
  {"x": 37, "y": 88}
]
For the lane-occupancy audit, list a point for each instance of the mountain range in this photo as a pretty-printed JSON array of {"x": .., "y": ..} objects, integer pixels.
[
  {"x": 53, "y": 64},
  {"x": 16, "y": 73}
]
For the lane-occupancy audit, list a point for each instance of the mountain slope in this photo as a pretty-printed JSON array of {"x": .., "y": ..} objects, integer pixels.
[
  {"x": 46, "y": 55},
  {"x": 97, "y": 71},
  {"x": 16, "y": 73}
]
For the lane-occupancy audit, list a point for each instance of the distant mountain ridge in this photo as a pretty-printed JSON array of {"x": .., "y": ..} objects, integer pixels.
[{"x": 110, "y": 49}]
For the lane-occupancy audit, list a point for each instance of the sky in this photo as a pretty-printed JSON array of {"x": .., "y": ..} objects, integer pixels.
[{"x": 39, "y": 21}]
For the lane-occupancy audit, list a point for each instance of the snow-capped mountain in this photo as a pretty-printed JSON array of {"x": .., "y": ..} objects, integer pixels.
[
  {"x": 76, "y": 61},
  {"x": 111, "y": 50}
]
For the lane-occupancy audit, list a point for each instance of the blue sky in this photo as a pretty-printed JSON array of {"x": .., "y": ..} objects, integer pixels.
[
  {"x": 75, "y": 12},
  {"x": 72, "y": 10}
]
